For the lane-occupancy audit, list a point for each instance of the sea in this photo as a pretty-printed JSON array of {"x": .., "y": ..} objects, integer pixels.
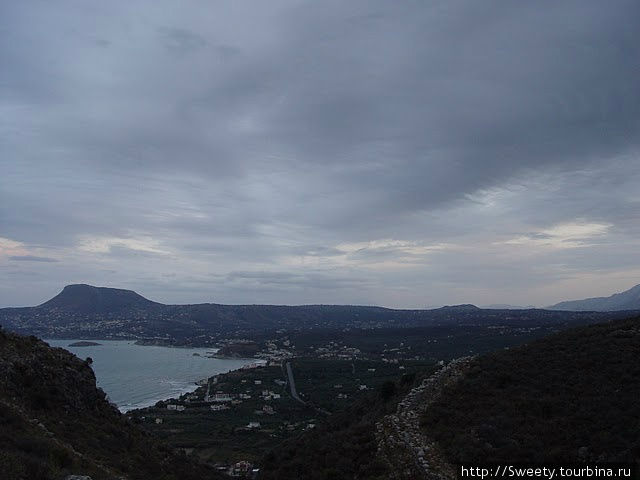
[{"x": 137, "y": 376}]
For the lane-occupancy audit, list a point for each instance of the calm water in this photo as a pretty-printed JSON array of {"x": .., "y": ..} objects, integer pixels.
[{"x": 135, "y": 376}]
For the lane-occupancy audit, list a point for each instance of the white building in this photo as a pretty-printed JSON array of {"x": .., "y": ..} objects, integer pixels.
[
  {"x": 221, "y": 397},
  {"x": 217, "y": 408}
]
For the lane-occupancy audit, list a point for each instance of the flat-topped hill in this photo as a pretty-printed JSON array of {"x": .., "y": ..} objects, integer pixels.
[{"x": 88, "y": 299}]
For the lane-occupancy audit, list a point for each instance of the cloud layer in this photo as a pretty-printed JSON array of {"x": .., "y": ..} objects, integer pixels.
[{"x": 394, "y": 153}]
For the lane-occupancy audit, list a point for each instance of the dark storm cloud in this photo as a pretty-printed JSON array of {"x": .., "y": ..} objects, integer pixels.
[{"x": 318, "y": 144}]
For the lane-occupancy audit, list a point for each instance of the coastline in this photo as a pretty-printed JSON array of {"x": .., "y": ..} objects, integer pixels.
[
  {"x": 143, "y": 342},
  {"x": 134, "y": 377},
  {"x": 192, "y": 387},
  {"x": 128, "y": 407}
]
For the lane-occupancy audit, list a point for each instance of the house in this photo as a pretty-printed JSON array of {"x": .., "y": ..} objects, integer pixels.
[
  {"x": 179, "y": 408},
  {"x": 158, "y": 420},
  {"x": 268, "y": 409},
  {"x": 257, "y": 382},
  {"x": 217, "y": 408},
  {"x": 253, "y": 425},
  {"x": 241, "y": 469},
  {"x": 270, "y": 395},
  {"x": 221, "y": 397}
]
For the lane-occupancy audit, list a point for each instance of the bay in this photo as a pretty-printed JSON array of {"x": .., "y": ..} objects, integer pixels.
[{"x": 136, "y": 376}]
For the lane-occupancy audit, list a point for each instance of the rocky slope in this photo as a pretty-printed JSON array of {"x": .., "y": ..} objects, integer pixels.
[
  {"x": 405, "y": 447},
  {"x": 54, "y": 422}
]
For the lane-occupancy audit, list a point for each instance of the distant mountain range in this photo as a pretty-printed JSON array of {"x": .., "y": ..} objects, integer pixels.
[
  {"x": 85, "y": 311},
  {"x": 627, "y": 300},
  {"x": 505, "y": 306}
]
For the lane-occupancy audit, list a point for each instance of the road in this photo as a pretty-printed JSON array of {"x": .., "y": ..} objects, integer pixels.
[{"x": 292, "y": 384}]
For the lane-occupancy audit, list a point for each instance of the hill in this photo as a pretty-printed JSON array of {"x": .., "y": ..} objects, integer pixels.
[
  {"x": 627, "y": 300},
  {"x": 54, "y": 422},
  {"x": 98, "y": 312},
  {"x": 87, "y": 299},
  {"x": 571, "y": 397}
]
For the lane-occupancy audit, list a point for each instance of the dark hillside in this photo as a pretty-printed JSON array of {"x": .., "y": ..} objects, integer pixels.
[
  {"x": 55, "y": 422},
  {"x": 570, "y": 397},
  {"x": 344, "y": 445}
]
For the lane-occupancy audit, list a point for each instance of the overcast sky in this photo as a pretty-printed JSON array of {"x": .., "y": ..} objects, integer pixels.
[{"x": 398, "y": 153}]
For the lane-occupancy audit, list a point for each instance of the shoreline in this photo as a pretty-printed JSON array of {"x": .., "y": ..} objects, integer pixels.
[
  {"x": 126, "y": 408},
  {"x": 141, "y": 384},
  {"x": 190, "y": 389},
  {"x": 137, "y": 341}
]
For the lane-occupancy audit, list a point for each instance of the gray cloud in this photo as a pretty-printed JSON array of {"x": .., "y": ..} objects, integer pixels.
[
  {"x": 181, "y": 41},
  {"x": 273, "y": 145},
  {"x": 31, "y": 258}
]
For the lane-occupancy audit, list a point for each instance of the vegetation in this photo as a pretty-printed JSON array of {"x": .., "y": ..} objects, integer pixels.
[
  {"x": 222, "y": 437},
  {"x": 344, "y": 446},
  {"x": 567, "y": 398},
  {"x": 55, "y": 422},
  {"x": 432, "y": 343},
  {"x": 332, "y": 385}
]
